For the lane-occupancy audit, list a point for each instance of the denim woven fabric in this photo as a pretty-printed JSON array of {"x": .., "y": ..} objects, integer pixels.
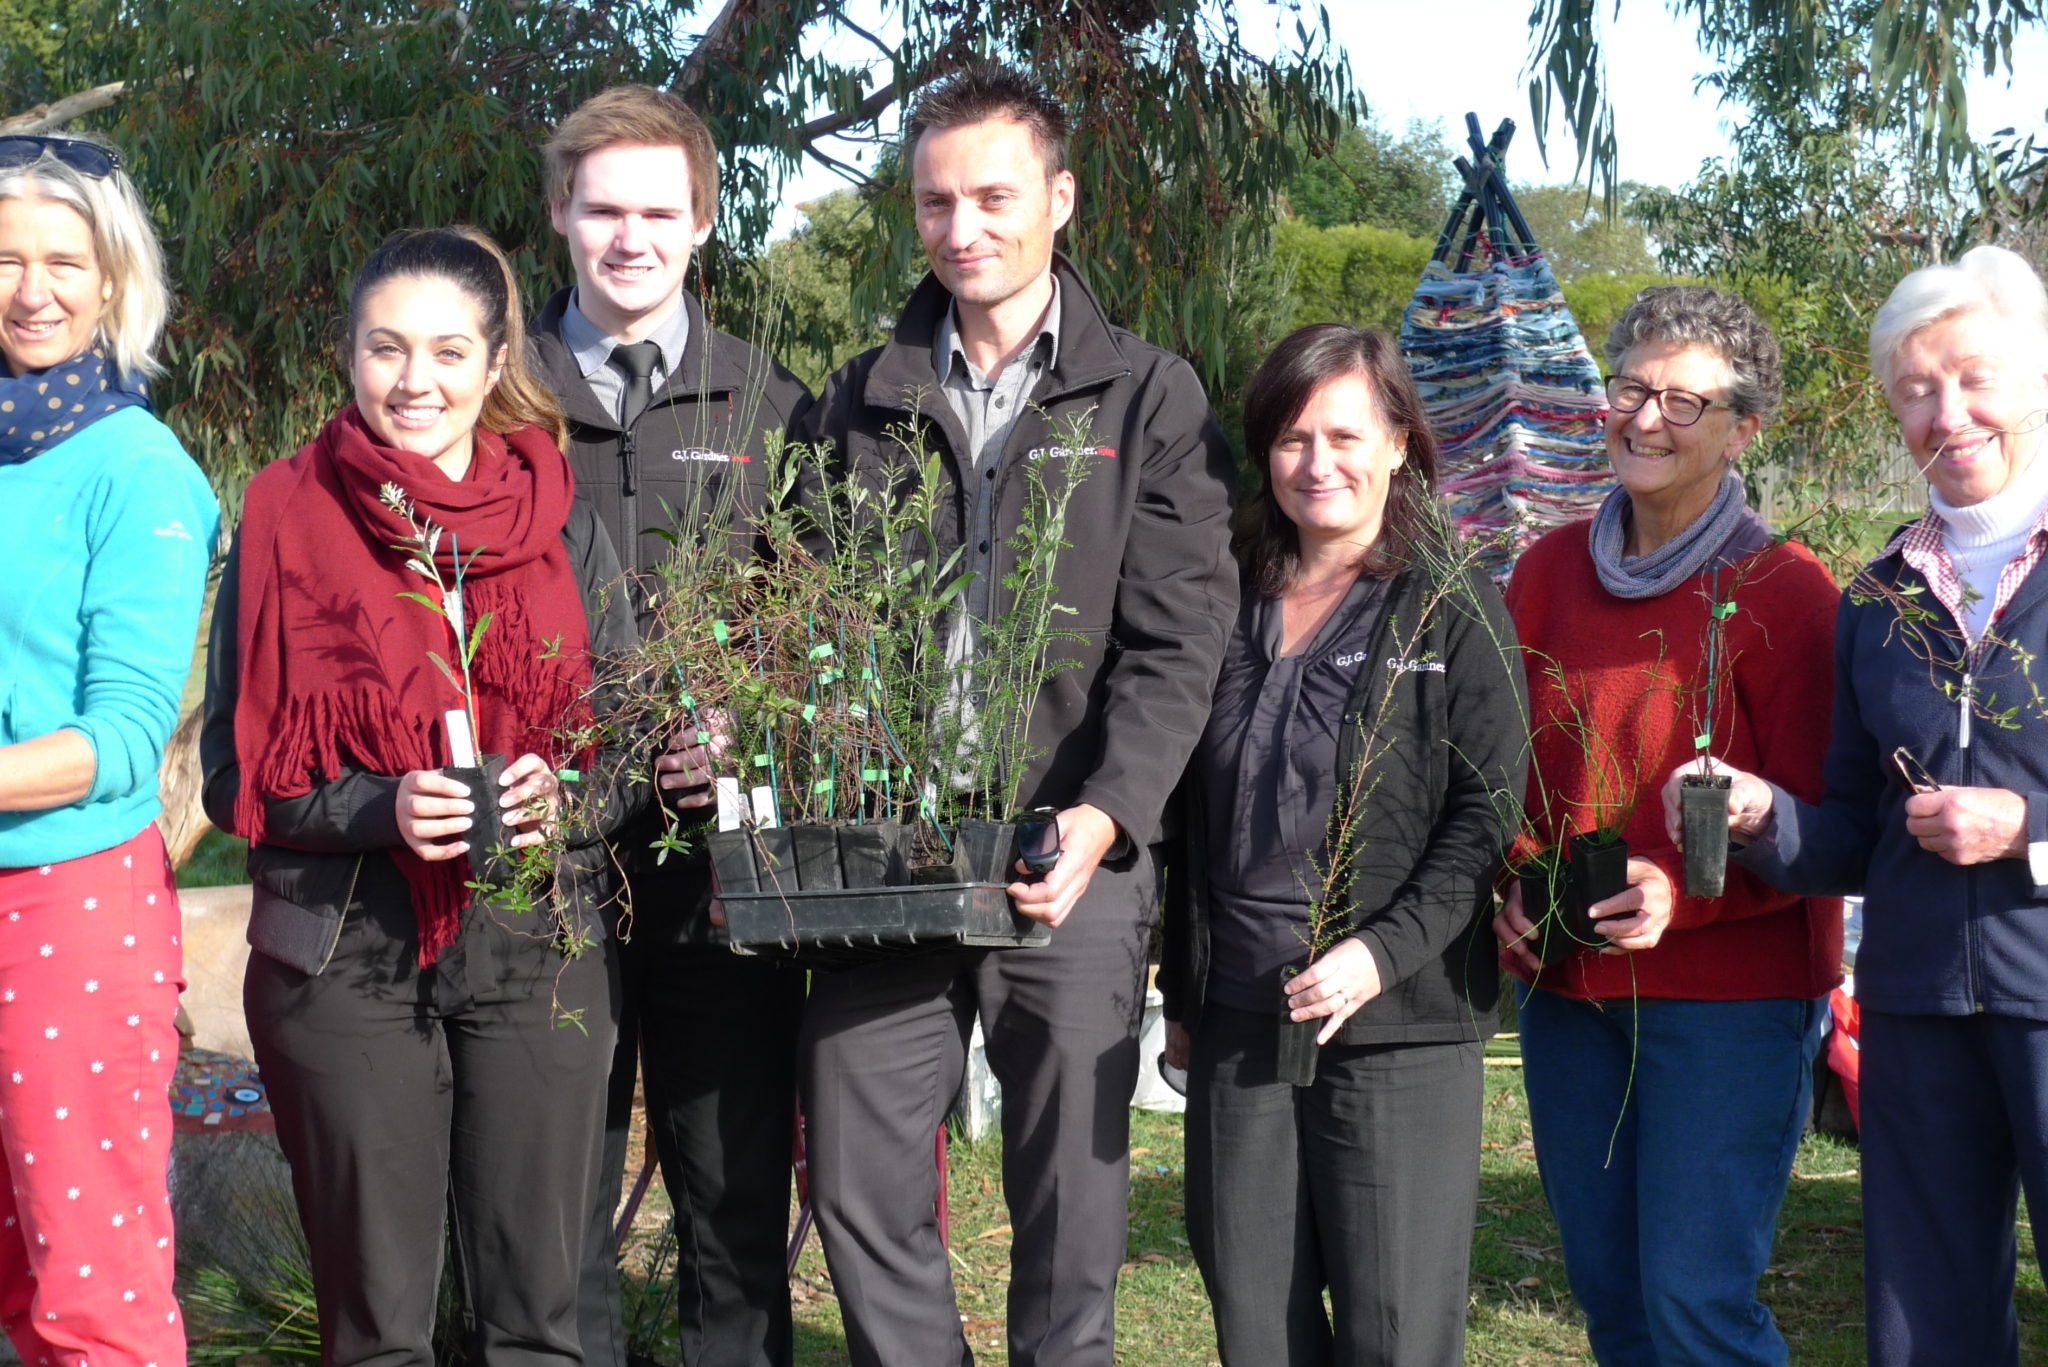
[{"x": 1664, "y": 1135}]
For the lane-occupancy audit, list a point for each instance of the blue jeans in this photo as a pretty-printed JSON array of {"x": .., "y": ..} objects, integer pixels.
[{"x": 1665, "y": 1132}]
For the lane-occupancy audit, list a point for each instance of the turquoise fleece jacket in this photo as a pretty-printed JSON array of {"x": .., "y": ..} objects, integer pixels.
[{"x": 102, "y": 575}]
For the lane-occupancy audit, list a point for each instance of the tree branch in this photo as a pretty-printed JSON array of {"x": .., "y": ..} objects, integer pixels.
[{"x": 57, "y": 113}]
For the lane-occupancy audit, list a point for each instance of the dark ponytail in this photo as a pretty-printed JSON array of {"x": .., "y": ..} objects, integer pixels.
[{"x": 467, "y": 259}]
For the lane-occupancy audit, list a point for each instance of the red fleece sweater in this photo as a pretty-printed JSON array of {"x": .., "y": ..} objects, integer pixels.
[{"x": 1616, "y": 697}]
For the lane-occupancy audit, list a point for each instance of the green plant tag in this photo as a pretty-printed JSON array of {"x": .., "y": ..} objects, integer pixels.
[
  {"x": 703, "y": 738},
  {"x": 763, "y": 760},
  {"x": 1724, "y": 609},
  {"x": 823, "y": 785},
  {"x": 871, "y": 775},
  {"x": 867, "y": 674},
  {"x": 689, "y": 701},
  {"x": 719, "y": 633},
  {"x": 1702, "y": 741},
  {"x": 569, "y": 775},
  {"x": 854, "y": 709},
  {"x": 810, "y": 711},
  {"x": 822, "y": 650}
]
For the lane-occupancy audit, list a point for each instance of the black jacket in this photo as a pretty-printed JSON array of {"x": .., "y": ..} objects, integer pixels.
[
  {"x": 325, "y": 851},
  {"x": 697, "y": 455},
  {"x": 1436, "y": 732},
  {"x": 1939, "y": 939},
  {"x": 698, "y": 460},
  {"x": 1148, "y": 574}
]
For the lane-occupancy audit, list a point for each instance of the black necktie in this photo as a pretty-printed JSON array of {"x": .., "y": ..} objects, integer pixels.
[{"x": 638, "y": 360}]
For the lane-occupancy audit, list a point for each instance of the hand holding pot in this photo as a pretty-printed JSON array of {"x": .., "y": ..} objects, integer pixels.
[
  {"x": 1749, "y": 802},
  {"x": 683, "y": 772},
  {"x": 1969, "y": 825},
  {"x": 531, "y": 798},
  {"x": 1511, "y": 927},
  {"x": 1335, "y": 985},
  {"x": 1086, "y": 833},
  {"x": 432, "y": 807},
  {"x": 1637, "y": 918}
]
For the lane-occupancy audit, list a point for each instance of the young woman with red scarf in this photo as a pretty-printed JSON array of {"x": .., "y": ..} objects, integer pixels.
[{"x": 411, "y": 1036}]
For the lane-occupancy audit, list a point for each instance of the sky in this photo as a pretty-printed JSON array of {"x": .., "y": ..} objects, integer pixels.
[{"x": 1402, "y": 62}]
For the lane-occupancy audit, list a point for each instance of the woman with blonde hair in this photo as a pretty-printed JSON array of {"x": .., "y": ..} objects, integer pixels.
[
  {"x": 409, "y": 1028},
  {"x": 109, "y": 530}
]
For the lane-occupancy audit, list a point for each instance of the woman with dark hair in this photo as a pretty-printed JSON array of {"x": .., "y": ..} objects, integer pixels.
[
  {"x": 109, "y": 530},
  {"x": 1339, "y": 830},
  {"x": 1669, "y": 1061},
  {"x": 411, "y": 1030}
]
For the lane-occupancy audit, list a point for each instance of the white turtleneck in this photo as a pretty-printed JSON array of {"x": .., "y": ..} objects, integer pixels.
[{"x": 1985, "y": 537}]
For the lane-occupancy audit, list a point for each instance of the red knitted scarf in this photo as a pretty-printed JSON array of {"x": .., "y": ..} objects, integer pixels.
[{"x": 334, "y": 663}]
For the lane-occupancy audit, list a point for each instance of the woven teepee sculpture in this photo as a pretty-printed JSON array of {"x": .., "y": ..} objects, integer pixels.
[{"x": 1512, "y": 391}]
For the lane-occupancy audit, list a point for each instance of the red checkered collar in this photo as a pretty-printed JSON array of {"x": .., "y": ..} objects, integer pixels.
[{"x": 1922, "y": 543}]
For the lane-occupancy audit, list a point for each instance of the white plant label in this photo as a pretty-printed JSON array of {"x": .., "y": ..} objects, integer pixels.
[
  {"x": 461, "y": 745},
  {"x": 732, "y": 809},
  {"x": 764, "y": 807}
]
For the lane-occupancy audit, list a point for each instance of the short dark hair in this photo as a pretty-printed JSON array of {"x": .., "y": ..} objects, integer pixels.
[
  {"x": 1265, "y": 538},
  {"x": 986, "y": 91}
]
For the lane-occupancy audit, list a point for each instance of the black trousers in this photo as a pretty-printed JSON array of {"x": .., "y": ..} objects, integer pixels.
[
  {"x": 884, "y": 1050},
  {"x": 714, "y": 1036},
  {"x": 1365, "y": 1183},
  {"x": 405, "y": 1096}
]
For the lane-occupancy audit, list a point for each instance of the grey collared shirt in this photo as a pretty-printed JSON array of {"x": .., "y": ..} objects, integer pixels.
[
  {"x": 592, "y": 348},
  {"x": 988, "y": 409}
]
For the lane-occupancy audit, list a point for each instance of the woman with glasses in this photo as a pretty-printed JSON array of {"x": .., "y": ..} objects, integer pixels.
[
  {"x": 1668, "y": 1063},
  {"x": 109, "y": 530},
  {"x": 1936, "y": 810}
]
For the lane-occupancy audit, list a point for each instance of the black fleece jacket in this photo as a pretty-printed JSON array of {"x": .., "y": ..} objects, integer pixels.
[
  {"x": 1148, "y": 574},
  {"x": 1433, "y": 750},
  {"x": 310, "y": 870}
]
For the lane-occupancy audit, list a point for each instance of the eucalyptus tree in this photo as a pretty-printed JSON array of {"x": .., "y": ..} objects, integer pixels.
[{"x": 281, "y": 141}]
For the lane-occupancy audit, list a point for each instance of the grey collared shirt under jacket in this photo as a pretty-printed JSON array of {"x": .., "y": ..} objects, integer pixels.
[
  {"x": 988, "y": 409},
  {"x": 592, "y": 347},
  {"x": 1268, "y": 759}
]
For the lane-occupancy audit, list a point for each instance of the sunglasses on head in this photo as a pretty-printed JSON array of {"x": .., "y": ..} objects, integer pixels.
[{"x": 86, "y": 158}]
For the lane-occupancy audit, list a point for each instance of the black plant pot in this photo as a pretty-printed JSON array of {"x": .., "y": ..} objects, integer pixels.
[
  {"x": 732, "y": 861},
  {"x": 1703, "y": 810},
  {"x": 817, "y": 857},
  {"x": 873, "y": 854},
  {"x": 1596, "y": 869},
  {"x": 1559, "y": 905},
  {"x": 1294, "y": 1055},
  {"x": 986, "y": 851},
  {"x": 491, "y": 857},
  {"x": 775, "y": 859}
]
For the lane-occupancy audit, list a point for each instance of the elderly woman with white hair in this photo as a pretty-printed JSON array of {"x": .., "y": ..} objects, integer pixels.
[
  {"x": 1936, "y": 810},
  {"x": 109, "y": 530}
]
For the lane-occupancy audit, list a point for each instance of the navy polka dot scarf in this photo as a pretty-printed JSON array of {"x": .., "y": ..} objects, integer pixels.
[{"x": 44, "y": 408}]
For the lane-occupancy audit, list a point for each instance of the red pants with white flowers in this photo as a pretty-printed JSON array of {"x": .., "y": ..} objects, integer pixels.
[{"x": 90, "y": 971}]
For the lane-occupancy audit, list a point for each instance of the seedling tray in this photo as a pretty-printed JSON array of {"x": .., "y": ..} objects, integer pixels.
[{"x": 843, "y": 927}]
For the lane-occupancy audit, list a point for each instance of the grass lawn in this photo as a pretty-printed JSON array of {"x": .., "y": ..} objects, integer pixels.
[{"x": 1521, "y": 1313}]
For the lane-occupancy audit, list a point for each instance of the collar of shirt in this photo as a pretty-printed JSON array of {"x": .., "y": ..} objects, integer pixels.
[
  {"x": 1923, "y": 545},
  {"x": 946, "y": 346},
  {"x": 592, "y": 346}
]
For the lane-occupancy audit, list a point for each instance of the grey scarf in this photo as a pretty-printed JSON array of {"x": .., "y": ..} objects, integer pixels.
[{"x": 1728, "y": 531}]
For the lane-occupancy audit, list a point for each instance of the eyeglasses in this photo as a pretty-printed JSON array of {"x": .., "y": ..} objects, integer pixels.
[
  {"x": 86, "y": 158},
  {"x": 1681, "y": 407}
]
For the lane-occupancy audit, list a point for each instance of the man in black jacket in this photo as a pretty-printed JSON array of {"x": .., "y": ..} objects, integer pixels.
[
  {"x": 996, "y": 358},
  {"x": 669, "y": 424}
]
